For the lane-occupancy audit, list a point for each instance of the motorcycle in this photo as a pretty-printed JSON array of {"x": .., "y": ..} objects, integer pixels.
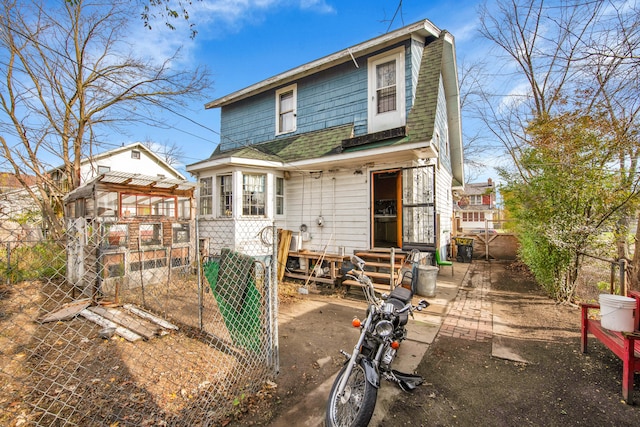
[{"x": 354, "y": 392}]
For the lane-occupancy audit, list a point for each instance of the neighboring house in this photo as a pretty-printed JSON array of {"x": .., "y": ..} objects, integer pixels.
[
  {"x": 356, "y": 150},
  {"x": 132, "y": 158},
  {"x": 128, "y": 229},
  {"x": 9, "y": 182},
  {"x": 477, "y": 206}
]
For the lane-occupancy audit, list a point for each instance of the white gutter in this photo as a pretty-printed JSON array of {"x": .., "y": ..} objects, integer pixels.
[{"x": 342, "y": 158}]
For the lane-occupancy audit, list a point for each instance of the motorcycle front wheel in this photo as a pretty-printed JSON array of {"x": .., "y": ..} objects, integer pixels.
[{"x": 355, "y": 407}]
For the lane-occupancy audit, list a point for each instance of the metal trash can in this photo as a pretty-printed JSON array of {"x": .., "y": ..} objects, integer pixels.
[
  {"x": 464, "y": 249},
  {"x": 426, "y": 280}
]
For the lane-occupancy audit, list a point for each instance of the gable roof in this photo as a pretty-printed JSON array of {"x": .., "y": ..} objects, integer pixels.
[
  {"x": 135, "y": 146},
  {"x": 421, "y": 28},
  {"x": 438, "y": 64}
]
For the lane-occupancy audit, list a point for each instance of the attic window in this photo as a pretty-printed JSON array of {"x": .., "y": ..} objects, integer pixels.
[
  {"x": 135, "y": 154},
  {"x": 286, "y": 101}
]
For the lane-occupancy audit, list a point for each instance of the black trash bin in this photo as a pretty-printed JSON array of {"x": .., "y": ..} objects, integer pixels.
[{"x": 464, "y": 246}]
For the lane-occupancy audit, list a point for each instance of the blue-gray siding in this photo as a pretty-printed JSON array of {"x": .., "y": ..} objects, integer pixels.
[{"x": 331, "y": 98}]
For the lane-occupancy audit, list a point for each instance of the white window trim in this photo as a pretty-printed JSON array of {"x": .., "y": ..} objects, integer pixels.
[
  {"x": 291, "y": 88},
  {"x": 388, "y": 120}
]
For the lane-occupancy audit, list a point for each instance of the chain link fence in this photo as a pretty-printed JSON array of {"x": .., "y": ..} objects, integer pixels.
[{"x": 136, "y": 324}]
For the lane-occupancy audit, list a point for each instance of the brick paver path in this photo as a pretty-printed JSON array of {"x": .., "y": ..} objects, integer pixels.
[{"x": 470, "y": 315}]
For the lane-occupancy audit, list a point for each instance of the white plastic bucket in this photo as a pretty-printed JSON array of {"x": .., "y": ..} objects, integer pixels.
[{"x": 616, "y": 312}]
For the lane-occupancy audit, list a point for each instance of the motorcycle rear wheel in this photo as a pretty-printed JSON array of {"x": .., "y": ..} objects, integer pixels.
[{"x": 355, "y": 408}]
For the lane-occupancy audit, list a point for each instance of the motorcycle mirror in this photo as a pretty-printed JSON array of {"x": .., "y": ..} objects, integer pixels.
[{"x": 358, "y": 261}]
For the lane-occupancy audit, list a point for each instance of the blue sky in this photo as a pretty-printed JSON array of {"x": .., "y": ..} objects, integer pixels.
[{"x": 245, "y": 41}]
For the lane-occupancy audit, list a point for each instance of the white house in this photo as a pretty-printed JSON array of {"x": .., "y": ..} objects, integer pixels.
[
  {"x": 359, "y": 149},
  {"x": 132, "y": 158}
]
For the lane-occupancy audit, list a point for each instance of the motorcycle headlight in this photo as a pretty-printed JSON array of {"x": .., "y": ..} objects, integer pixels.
[{"x": 384, "y": 328}]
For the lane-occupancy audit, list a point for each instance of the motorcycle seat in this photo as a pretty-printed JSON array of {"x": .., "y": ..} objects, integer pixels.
[{"x": 402, "y": 294}]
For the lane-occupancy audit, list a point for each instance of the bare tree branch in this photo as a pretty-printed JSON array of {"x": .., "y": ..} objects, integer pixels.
[{"x": 66, "y": 78}]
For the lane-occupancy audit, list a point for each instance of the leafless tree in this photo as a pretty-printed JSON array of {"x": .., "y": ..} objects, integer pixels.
[
  {"x": 570, "y": 55},
  {"x": 68, "y": 75},
  {"x": 171, "y": 152}
]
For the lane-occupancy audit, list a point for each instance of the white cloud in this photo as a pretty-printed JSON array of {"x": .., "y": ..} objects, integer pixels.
[
  {"x": 219, "y": 17},
  {"x": 320, "y": 6}
]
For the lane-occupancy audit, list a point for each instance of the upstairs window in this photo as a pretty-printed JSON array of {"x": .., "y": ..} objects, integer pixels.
[
  {"x": 103, "y": 169},
  {"x": 475, "y": 199},
  {"x": 386, "y": 87},
  {"x": 286, "y": 101},
  {"x": 135, "y": 154},
  {"x": 386, "y": 90}
]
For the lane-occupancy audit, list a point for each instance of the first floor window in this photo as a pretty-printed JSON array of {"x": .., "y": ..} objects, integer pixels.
[
  {"x": 179, "y": 257},
  {"x": 116, "y": 235},
  {"x": 472, "y": 216},
  {"x": 253, "y": 192},
  {"x": 113, "y": 265},
  {"x": 150, "y": 234},
  {"x": 147, "y": 260},
  {"x": 180, "y": 233},
  {"x": 225, "y": 189},
  {"x": 206, "y": 193},
  {"x": 279, "y": 196}
]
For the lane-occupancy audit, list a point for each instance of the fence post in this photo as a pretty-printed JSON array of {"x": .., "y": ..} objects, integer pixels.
[
  {"x": 623, "y": 276},
  {"x": 486, "y": 239},
  {"x": 612, "y": 280},
  {"x": 273, "y": 301},
  {"x": 8, "y": 263},
  {"x": 200, "y": 276}
]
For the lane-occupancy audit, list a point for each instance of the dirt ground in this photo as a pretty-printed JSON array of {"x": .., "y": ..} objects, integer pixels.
[
  {"x": 553, "y": 384},
  {"x": 556, "y": 386}
]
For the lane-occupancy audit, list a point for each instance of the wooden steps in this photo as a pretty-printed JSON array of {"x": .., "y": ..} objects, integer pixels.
[{"x": 382, "y": 266}]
